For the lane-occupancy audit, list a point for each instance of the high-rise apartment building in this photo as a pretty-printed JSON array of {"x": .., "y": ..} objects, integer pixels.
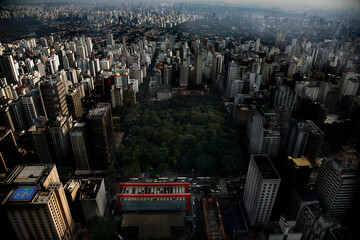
[
  {"x": 336, "y": 183},
  {"x": 36, "y": 204},
  {"x": 101, "y": 133},
  {"x": 54, "y": 99},
  {"x": 261, "y": 187},
  {"x": 73, "y": 99}
]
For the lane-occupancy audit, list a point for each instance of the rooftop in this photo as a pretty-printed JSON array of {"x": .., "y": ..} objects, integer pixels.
[
  {"x": 90, "y": 188},
  {"x": 29, "y": 174},
  {"x": 99, "y": 111},
  {"x": 266, "y": 168},
  {"x": 300, "y": 162}
]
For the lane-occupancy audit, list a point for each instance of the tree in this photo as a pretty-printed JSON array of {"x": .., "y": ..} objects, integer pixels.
[{"x": 205, "y": 163}]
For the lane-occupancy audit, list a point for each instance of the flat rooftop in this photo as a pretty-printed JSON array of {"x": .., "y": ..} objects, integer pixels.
[
  {"x": 29, "y": 174},
  {"x": 300, "y": 162},
  {"x": 99, "y": 111},
  {"x": 266, "y": 168}
]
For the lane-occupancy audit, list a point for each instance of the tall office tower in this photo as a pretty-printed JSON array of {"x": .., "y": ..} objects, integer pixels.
[
  {"x": 6, "y": 118},
  {"x": 231, "y": 76},
  {"x": 313, "y": 223},
  {"x": 8, "y": 149},
  {"x": 17, "y": 109},
  {"x": 59, "y": 133},
  {"x": 299, "y": 199},
  {"x": 32, "y": 106},
  {"x": 314, "y": 141},
  {"x": 198, "y": 68},
  {"x": 283, "y": 114},
  {"x": 349, "y": 84},
  {"x": 89, "y": 45},
  {"x": 263, "y": 132},
  {"x": 285, "y": 96},
  {"x": 81, "y": 52},
  {"x": 7, "y": 68},
  {"x": 116, "y": 94},
  {"x": 254, "y": 129},
  {"x": 217, "y": 64},
  {"x": 41, "y": 139},
  {"x": 79, "y": 142},
  {"x": 299, "y": 170},
  {"x": 53, "y": 94},
  {"x": 184, "y": 74},
  {"x": 73, "y": 99},
  {"x": 266, "y": 69},
  {"x": 336, "y": 183},
  {"x": 292, "y": 68},
  {"x": 93, "y": 198},
  {"x": 167, "y": 75},
  {"x": 36, "y": 205},
  {"x": 271, "y": 142},
  {"x": 280, "y": 36},
  {"x": 297, "y": 139},
  {"x": 101, "y": 132},
  {"x": 261, "y": 187},
  {"x": 110, "y": 40},
  {"x": 257, "y": 45}
]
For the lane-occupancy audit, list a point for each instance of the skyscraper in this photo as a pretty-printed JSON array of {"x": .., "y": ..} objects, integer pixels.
[
  {"x": 198, "y": 68},
  {"x": 41, "y": 139},
  {"x": 73, "y": 99},
  {"x": 261, "y": 187},
  {"x": 101, "y": 132},
  {"x": 314, "y": 141},
  {"x": 184, "y": 74},
  {"x": 79, "y": 142},
  {"x": 336, "y": 183},
  {"x": 59, "y": 133},
  {"x": 280, "y": 36},
  {"x": 263, "y": 132},
  {"x": 32, "y": 106},
  {"x": 7, "y": 68},
  {"x": 297, "y": 139},
  {"x": 231, "y": 76},
  {"x": 110, "y": 40},
  {"x": 54, "y": 99},
  {"x": 36, "y": 205}
]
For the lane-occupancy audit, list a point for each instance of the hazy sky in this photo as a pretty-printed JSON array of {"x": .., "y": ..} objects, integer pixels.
[
  {"x": 353, "y": 5},
  {"x": 321, "y": 4}
]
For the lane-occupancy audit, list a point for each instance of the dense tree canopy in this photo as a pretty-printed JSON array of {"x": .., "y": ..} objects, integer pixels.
[{"x": 179, "y": 134}]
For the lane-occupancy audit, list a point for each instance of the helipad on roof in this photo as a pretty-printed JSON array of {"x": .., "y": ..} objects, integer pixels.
[{"x": 23, "y": 194}]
